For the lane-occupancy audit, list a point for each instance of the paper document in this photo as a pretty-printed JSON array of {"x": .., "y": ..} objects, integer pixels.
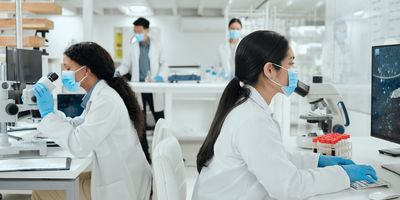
[{"x": 34, "y": 164}]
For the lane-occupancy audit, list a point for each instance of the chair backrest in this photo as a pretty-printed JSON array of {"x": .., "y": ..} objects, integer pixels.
[
  {"x": 169, "y": 170},
  {"x": 160, "y": 133}
]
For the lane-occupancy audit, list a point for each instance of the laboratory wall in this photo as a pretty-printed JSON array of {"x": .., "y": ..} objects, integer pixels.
[
  {"x": 182, "y": 44},
  {"x": 67, "y": 30},
  {"x": 352, "y": 28}
]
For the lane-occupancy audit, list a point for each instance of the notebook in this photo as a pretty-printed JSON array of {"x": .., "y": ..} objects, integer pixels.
[{"x": 35, "y": 164}]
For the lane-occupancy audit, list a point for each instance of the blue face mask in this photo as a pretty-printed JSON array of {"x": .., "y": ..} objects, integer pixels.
[
  {"x": 68, "y": 80},
  {"x": 234, "y": 34},
  {"x": 292, "y": 76},
  {"x": 139, "y": 37}
]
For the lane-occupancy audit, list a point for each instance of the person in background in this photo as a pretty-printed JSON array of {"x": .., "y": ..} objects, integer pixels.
[
  {"x": 145, "y": 62},
  {"x": 243, "y": 155},
  {"x": 107, "y": 130},
  {"x": 226, "y": 51}
]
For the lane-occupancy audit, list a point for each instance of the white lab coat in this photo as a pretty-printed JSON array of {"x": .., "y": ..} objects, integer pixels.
[
  {"x": 226, "y": 57},
  {"x": 130, "y": 63},
  {"x": 250, "y": 161},
  {"x": 120, "y": 169}
]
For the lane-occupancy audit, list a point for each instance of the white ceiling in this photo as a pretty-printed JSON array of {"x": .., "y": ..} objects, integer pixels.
[{"x": 283, "y": 8}]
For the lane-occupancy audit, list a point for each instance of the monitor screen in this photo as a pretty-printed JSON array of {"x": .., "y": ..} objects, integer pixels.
[
  {"x": 23, "y": 65},
  {"x": 385, "y": 94},
  {"x": 70, "y": 104}
]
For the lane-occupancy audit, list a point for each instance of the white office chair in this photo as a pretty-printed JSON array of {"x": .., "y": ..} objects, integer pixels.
[
  {"x": 169, "y": 170},
  {"x": 160, "y": 133}
]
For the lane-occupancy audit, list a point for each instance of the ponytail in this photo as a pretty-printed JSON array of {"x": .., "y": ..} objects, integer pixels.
[
  {"x": 128, "y": 96},
  {"x": 233, "y": 95}
]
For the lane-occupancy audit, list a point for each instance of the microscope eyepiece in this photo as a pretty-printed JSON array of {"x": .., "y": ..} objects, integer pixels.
[
  {"x": 52, "y": 76},
  {"x": 302, "y": 89}
]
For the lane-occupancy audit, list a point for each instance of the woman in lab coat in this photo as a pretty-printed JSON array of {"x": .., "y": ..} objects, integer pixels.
[
  {"x": 226, "y": 51},
  {"x": 243, "y": 156},
  {"x": 107, "y": 130}
]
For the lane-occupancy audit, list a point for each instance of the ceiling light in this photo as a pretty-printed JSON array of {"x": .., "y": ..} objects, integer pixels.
[
  {"x": 137, "y": 10},
  {"x": 358, "y": 13}
]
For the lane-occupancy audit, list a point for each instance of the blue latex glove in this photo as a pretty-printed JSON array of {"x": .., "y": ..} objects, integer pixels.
[
  {"x": 360, "y": 172},
  {"x": 44, "y": 99},
  {"x": 158, "y": 78},
  {"x": 325, "y": 161}
]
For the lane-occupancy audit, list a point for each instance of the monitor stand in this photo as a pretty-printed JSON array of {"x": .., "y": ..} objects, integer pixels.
[
  {"x": 391, "y": 152},
  {"x": 395, "y": 168}
]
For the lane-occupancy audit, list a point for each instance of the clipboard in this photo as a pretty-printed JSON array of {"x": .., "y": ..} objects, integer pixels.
[{"x": 35, "y": 164}]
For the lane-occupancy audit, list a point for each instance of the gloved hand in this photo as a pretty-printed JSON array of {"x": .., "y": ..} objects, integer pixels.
[
  {"x": 44, "y": 99},
  {"x": 360, "y": 172},
  {"x": 325, "y": 161},
  {"x": 158, "y": 78}
]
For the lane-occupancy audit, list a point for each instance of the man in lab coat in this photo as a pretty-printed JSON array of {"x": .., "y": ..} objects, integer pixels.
[{"x": 146, "y": 63}]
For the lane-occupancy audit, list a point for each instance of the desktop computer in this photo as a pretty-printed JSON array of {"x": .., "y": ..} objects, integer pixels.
[
  {"x": 70, "y": 104},
  {"x": 385, "y": 98}
]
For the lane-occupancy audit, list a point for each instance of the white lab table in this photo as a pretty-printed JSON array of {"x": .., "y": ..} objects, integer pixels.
[
  {"x": 186, "y": 105},
  {"x": 67, "y": 180},
  {"x": 169, "y": 89},
  {"x": 365, "y": 151}
]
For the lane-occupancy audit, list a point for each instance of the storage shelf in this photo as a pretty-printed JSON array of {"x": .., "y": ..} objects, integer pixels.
[
  {"x": 29, "y": 41},
  {"x": 32, "y": 7},
  {"x": 28, "y": 24}
]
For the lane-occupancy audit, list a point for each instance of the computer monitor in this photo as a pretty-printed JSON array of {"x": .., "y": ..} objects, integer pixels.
[
  {"x": 385, "y": 98},
  {"x": 23, "y": 66},
  {"x": 385, "y": 94},
  {"x": 70, "y": 104}
]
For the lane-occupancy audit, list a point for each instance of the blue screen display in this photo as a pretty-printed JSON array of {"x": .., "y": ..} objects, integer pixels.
[
  {"x": 70, "y": 104},
  {"x": 385, "y": 100}
]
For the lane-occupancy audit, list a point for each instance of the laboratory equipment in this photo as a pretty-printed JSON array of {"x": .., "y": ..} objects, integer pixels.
[
  {"x": 333, "y": 144},
  {"x": 385, "y": 98},
  {"x": 8, "y": 114},
  {"x": 327, "y": 109},
  {"x": 27, "y": 94},
  {"x": 359, "y": 185},
  {"x": 184, "y": 73}
]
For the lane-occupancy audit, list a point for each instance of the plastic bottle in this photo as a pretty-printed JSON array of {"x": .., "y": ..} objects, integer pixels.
[
  {"x": 207, "y": 75},
  {"x": 214, "y": 76}
]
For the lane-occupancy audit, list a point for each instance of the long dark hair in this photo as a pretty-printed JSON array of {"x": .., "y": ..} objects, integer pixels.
[
  {"x": 253, "y": 52},
  {"x": 233, "y": 20},
  {"x": 99, "y": 61}
]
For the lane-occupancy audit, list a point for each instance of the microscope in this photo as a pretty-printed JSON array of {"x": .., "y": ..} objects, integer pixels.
[
  {"x": 8, "y": 115},
  {"x": 328, "y": 110}
]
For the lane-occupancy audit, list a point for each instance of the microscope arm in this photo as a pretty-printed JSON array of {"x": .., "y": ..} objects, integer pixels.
[
  {"x": 23, "y": 107},
  {"x": 317, "y": 92}
]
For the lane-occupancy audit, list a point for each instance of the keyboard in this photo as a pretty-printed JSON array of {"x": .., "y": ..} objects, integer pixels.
[{"x": 359, "y": 185}]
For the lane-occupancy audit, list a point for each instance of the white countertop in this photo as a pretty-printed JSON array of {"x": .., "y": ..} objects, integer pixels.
[
  {"x": 365, "y": 151},
  {"x": 178, "y": 87},
  {"x": 78, "y": 165}
]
